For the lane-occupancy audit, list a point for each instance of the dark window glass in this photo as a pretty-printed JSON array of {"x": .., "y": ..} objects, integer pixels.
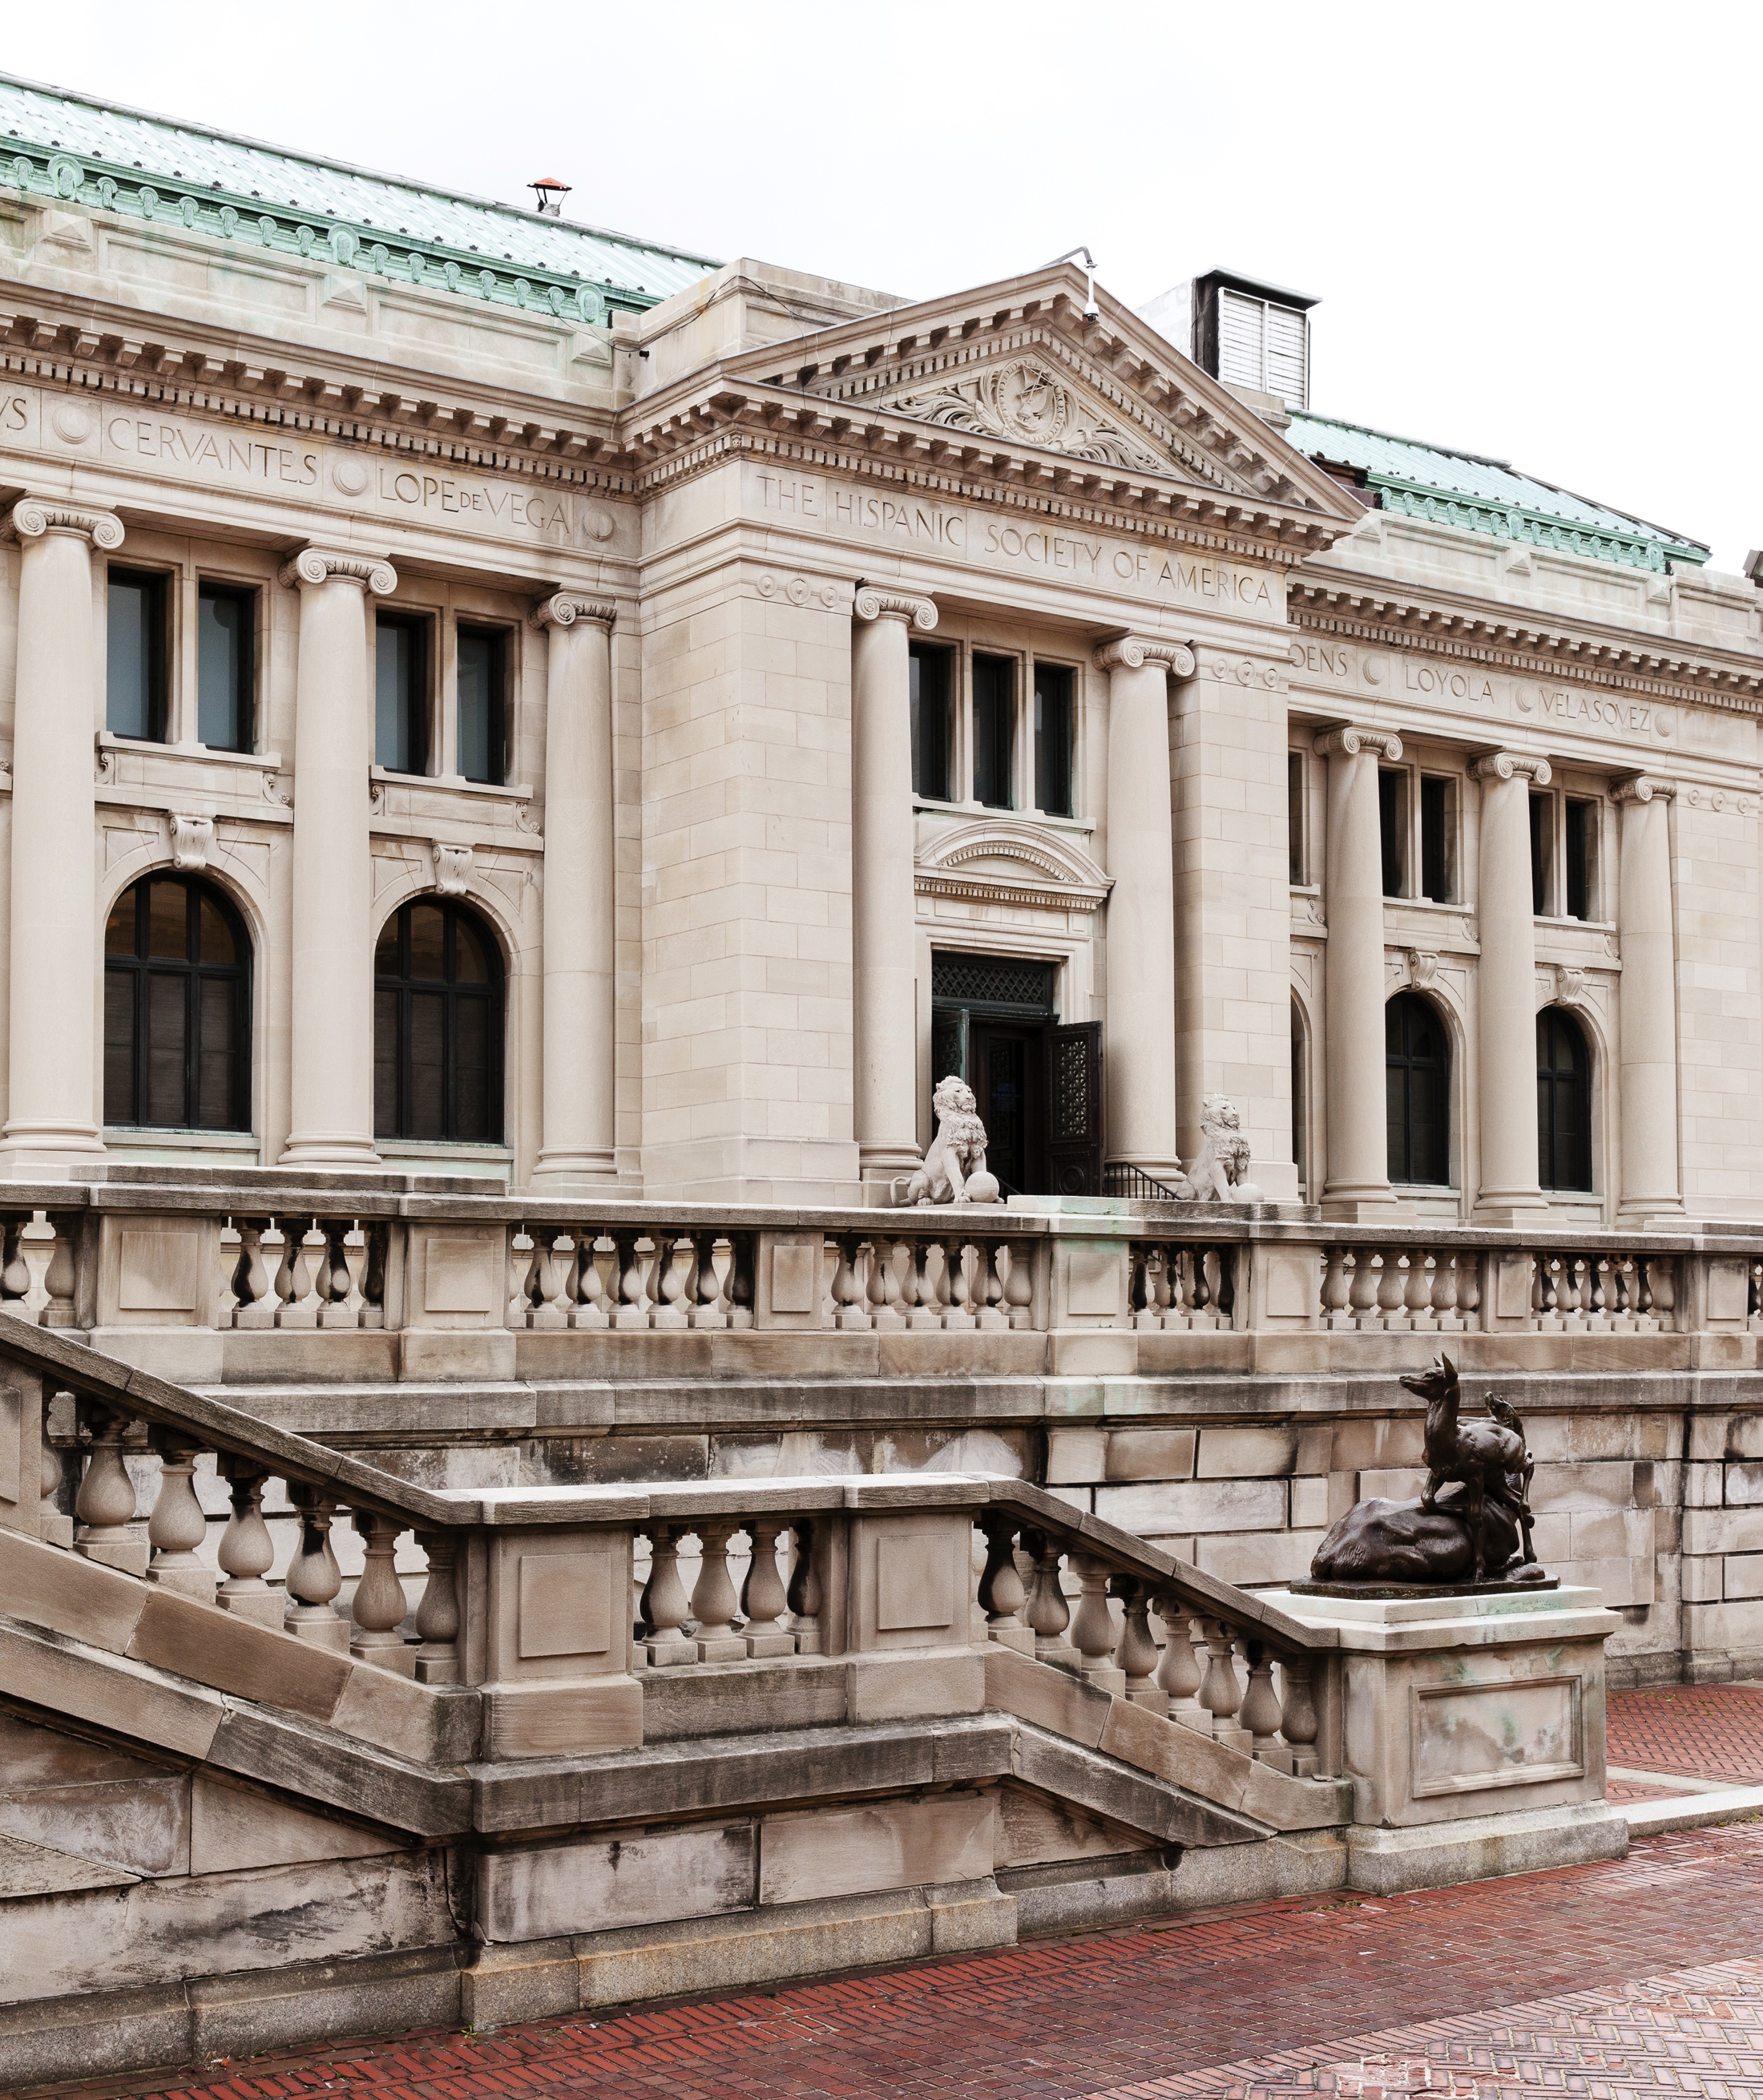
[
  {"x": 1581, "y": 854},
  {"x": 401, "y": 696},
  {"x": 933, "y": 724},
  {"x": 481, "y": 714},
  {"x": 1417, "y": 1061},
  {"x": 1563, "y": 1102},
  {"x": 994, "y": 725},
  {"x": 1542, "y": 852},
  {"x": 1436, "y": 842},
  {"x": 177, "y": 1009},
  {"x": 1052, "y": 740},
  {"x": 224, "y": 620},
  {"x": 438, "y": 1026},
  {"x": 1298, "y": 1095},
  {"x": 1392, "y": 826},
  {"x": 1294, "y": 813},
  {"x": 134, "y": 675}
]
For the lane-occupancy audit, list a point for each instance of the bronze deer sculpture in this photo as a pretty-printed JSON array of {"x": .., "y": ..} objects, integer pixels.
[{"x": 1479, "y": 1453}]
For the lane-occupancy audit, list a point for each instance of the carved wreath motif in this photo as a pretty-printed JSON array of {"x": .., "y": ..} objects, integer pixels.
[{"x": 1024, "y": 402}]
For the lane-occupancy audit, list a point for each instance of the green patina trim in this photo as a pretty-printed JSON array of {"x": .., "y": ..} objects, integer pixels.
[
  {"x": 229, "y": 216},
  {"x": 1536, "y": 528}
]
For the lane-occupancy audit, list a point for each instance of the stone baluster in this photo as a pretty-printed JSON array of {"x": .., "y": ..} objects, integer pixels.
[
  {"x": 1392, "y": 1290},
  {"x": 37, "y": 1247},
  {"x": 1136, "y": 1654},
  {"x": 15, "y": 1277},
  {"x": 1469, "y": 1290},
  {"x": 1019, "y": 1285},
  {"x": 883, "y": 1289},
  {"x": 553, "y": 1265},
  {"x": 1298, "y": 1720},
  {"x": 1260, "y": 1714},
  {"x": 1179, "y": 1673},
  {"x": 309, "y": 1278},
  {"x": 1200, "y": 1311},
  {"x": 989, "y": 1289},
  {"x": 60, "y": 1276},
  {"x": 665, "y": 1604},
  {"x": 178, "y": 1527},
  {"x": 1575, "y": 1295},
  {"x": 1336, "y": 1288},
  {"x": 250, "y": 1281},
  {"x": 1048, "y": 1613},
  {"x": 103, "y": 1507},
  {"x": 522, "y": 1262},
  {"x": 246, "y": 1551},
  {"x": 672, "y": 1283},
  {"x": 764, "y": 1597},
  {"x": 1221, "y": 1694},
  {"x": 1092, "y": 1627},
  {"x": 958, "y": 1310},
  {"x": 314, "y": 1578},
  {"x": 1646, "y": 1322},
  {"x": 53, "y": 1527},
  {"x": 849, "y": 1295},
  {"x": 1662, "y": 1278},
  {"x": 920, "y": 1289},
  {"x": 804, "y": 1591},
  {"x": 1141, "y": 1294},
  {"x": 706, "y": 1284},
  {"x": 1417, "y": 1300},
  {"x": 740, "y": 1291},
  {"x": 637, "y": 1252},
  {"x": 1002, "y": 1593},
  {"x": 437, "y": 1614},
  {"x": 1548, "y": 1294},
  {"x": 713, "y": 1597},
  {"x": 594, "y": 1284},
  {"x": 379, "y": 1605},
  {"x": 365, "y": 1265},
  {"x": 1597, "y": 1299},
  {"x": 1178, "y": 1313},
  {"x": 1445, "y": 1316},
  {"x": 1368, "y": 1280}
]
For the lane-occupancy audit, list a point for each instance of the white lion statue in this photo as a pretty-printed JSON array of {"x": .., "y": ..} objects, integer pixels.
[
  {"x": 954, "y": 1167},
  {"x": 1219, "y": 1174}
]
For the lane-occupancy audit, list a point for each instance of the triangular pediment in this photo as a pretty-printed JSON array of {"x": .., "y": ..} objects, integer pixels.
[{"x": 1021, "y": 365}]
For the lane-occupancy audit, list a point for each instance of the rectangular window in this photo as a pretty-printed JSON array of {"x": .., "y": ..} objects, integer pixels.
[
  {"x": 1392, "y": 824},
  {"x": 1294, "y": 813},
  {"x": 225, "y": 647},
  {"x": 1438, "y": 839},
  {"x": 995, "y": 728},
  {"x": 1052, "y": 740},
  {"x": 933, "y": 724},
  {"x": 1582, "y": 859},
  {"x": 482, "y": 657},
  {"x": 401, "y": 696},
  {"x": 1542, "y": 853},
  {"x": 135, "y": 680}
]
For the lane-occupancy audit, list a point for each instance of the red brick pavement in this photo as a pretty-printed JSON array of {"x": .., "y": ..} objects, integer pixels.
[
  {"x": 1706, "y": 1732},
  {"x": 1241, "y": 2002}
]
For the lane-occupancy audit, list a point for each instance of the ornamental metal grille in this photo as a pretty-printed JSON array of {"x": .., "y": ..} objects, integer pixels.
[{"x": 995, "y": 980}]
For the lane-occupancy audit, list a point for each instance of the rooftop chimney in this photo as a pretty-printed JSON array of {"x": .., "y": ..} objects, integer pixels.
[
  {"x": 550, "y": 193},
  {"x": 1253, "y": 337}
]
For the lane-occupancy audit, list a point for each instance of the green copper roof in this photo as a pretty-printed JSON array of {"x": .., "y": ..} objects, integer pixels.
[
  {"x": 54, "y": 142},
  {"x": 1478, "y": 495}
]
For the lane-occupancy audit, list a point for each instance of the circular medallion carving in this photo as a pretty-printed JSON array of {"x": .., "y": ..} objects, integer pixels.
[
  {"x": 796, "y": 590},
  {"x": 767, "y": 585},
  {"x": 350, "y": 476},
  {"x": 72, "y": 422},
  {"x": 1027, "y": 402},
  {"x": 602, "y": 525}
]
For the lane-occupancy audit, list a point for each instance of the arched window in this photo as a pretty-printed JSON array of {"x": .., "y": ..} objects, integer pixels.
[
  {"x": 1563, "y": 1102},
  {"x": 1300, "y": 1103},
  {"x": 177, "y": 1008},
  {"x": 438, "y": 1025},
  {"x": 1417, "y": 1066}
]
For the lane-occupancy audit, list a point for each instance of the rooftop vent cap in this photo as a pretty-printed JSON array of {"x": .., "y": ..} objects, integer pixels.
[
  {"x": 550, "y": 194},
  {"x": 1254, "y": 336}
]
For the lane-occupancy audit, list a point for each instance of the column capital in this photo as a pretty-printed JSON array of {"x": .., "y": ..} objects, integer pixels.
[
  {"x": 1348, "y": 739},
  {"x": 1132, "y": 652},
  {"x": 564, "y": 609},
  {"x": 1644, "y": 787},
  {"x": 322, "y": 565},
  {"x": 31, "y": 516},
  {"x": 1504, "y": 764},
  {"x": 873, "y": 602}
]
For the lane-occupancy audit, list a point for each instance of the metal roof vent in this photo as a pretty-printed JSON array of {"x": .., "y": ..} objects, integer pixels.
[
  {"x": 1252, "y": 335},
  {"x": 550, "y": 193}
]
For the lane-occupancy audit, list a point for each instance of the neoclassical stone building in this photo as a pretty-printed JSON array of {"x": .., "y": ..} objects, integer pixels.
[{"x": 486, "y": 695}]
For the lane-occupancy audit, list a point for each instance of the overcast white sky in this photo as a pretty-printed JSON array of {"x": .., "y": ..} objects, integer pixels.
[{"x": 1534, "y": 227}]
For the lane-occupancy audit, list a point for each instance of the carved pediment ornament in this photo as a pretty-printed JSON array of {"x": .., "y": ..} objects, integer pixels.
[
  {"x": 1000, "y": 859},
  {"x": 192, "y": 841},
  {"x": 1023, "y": 402},
  {"x": 452, "y": 868}
]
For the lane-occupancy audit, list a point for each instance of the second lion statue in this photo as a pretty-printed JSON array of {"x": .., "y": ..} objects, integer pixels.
[{"x": 954, "y": 1170}]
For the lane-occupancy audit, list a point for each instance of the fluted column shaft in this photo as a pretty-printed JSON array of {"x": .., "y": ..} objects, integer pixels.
[
  {"x": 1358, "y": 1124},
  {"x": 52, "y": 1105},
  {"x": 1506, "y": 990},
  {"x": 580, "y": 1092},
  {"x": 1647, "y": 1002},
  {"x": 331, "y": 1107},
  {"x": 1143, "y": 1117},
  {"x": 883, "y": 903}
]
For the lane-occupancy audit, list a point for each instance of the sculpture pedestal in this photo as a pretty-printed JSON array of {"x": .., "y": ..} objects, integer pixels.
[{"x": 1473, "y": 1726}]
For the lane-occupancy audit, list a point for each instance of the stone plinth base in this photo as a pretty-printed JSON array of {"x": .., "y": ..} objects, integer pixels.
[{"x": 1478, "y": 1848}]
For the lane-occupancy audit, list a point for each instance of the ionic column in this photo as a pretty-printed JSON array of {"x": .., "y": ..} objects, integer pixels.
[
  {"x": 52, "y": 1105},
  {"x": 1143, "y": 1121},
  {"x": 1353, "y": 994},
  {"x": 1648, "y": 1004},
  {"x": 883, "y": 916},
  {"x": 332, "y": 1110},
  {"x": 1505, "y": 991},
  {"x": 580, "y": 1096}
]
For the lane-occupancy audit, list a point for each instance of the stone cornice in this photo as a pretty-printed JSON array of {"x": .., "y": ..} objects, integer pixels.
[
  {"x": 565, "y": 609},
  {"x": 1644, "y": 787},
  {"x": 1131, "y": 652},
  {"x": 322, "y": 565},
  {"x": 874, "y": 602},
  {"x": 1348, "y": 739},
  {"x": 1519, "y": 640},
  {"x": 1510, "y": 764},
  {"x": 32, "y": 516}
]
